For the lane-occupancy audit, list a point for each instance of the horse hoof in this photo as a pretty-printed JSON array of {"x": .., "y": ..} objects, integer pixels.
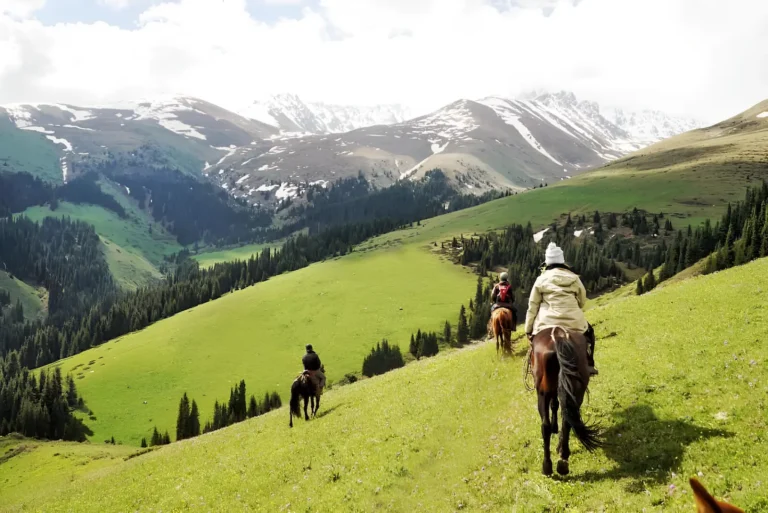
[
  {"x": 547, "y": 468},
  {"x": 562, "y": 468}
]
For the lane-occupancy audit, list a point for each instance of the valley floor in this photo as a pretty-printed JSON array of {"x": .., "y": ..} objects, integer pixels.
[{"x": 684, "y": 378}]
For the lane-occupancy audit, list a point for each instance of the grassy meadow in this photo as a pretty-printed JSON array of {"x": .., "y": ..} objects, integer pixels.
[
  {"x": 343, "y": 307},
  {"x": 681, "y": 393},
  {"x": 210, "y": 258},
  {"x": 32, "y": 468},
  {"x": 133, "y": 253},
  {"x": 33, "y": 300},
  {"x": 24, "y": 150}
]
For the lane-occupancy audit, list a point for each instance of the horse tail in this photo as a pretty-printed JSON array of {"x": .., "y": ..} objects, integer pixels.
[
  {"x": 294, "y": 408},
  {"x": 569, "y": 376}
]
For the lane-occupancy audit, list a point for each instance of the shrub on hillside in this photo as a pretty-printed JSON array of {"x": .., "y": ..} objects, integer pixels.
[{"x": 383, "y": 358}]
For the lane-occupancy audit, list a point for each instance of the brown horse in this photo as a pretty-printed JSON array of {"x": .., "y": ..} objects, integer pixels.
[
  {"x": 303, "y": 387},
  {"x": 502, "y": 324},
  {"x": 705, "y": 503},
  {"x": 561, "y": 378}
]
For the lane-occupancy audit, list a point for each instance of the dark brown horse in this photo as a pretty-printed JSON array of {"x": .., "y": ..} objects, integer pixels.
[
  {"x": 705, "y": 503},
  {"x": 303, "y": 387},
  {"x": 502, "y": 324},
  {"x": 561, "y": 378}
]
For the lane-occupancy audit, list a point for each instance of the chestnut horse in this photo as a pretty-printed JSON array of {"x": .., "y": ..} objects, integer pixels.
[
  {"x": 561, "y": 378},
  {"x": 502, "y": 323},
  {"x": 705, "y": 503}
]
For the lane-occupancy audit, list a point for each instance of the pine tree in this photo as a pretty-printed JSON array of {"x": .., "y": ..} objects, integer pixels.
[
  {"x": 156, "y": 439},
  {"x": 462, "y": 332},
  {"x": 639, "y": 290},
  {"x": 253, "y": 407},
  {"x": 182, "y": 421},
  {"x": 649, "y": 282},
  {"x": 143, "y": 443},
  {"x": 166, "y": 438},
  {"x": 71, "y": 392},
  {"x": 447, "y": 332},
  {"x": 428, "y": 345},
  {"x": 193, "y": 422},
  {"x": 413, "y": 347},
  {"x": 479, "y": 292}
]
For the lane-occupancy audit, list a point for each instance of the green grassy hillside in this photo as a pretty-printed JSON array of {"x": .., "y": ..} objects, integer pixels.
[
  {"x": 33, "y": 468},
  {"x": 22, "y": 150},
  {"x": 133, "y": 253},
  {"x": 209, "y": 258},
  {"x": 460, "y": 432},
  {"x": 344, "y": 307},
  {"x": 33, "y": 300}
]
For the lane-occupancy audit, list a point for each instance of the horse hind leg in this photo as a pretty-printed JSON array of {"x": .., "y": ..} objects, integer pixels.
[
  {"x": 306, "y": 401},
  {"x": 546, "y": 432},
  {"x": 555, "y": 406}
]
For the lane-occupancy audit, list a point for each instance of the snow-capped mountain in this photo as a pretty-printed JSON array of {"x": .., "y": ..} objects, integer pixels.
[
  {"x": 198, "y": 130},
  {"x": 292, "y": 115},
  {"x": 489, "y": 143},
  {"x": 274, "y": 149},
  {"x": 650, "y": 126}
]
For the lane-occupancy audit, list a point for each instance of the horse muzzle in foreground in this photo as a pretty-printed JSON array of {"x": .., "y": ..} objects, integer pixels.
[{"x": 561, "y": 378}]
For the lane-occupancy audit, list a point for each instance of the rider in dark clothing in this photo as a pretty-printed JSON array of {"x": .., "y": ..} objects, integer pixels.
[
  {"x": 313, "y": 365},
  {"x": 509, "y": 303},
  {"x": 311, "y": 360}
]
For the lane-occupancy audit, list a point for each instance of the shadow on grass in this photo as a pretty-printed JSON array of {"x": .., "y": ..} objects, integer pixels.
[
  {"x": 323, "y": 412},
  {"x": 646, "y": 448}
]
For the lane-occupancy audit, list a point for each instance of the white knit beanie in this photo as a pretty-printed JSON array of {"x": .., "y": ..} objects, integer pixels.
[{"x": 554, "y": 255}]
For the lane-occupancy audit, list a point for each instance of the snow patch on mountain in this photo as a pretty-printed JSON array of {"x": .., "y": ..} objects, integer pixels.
[
  {"x": 165, "y": 112},
  {"x": 293, "y": 116},
  {"x": 763, "y": 115},
  {"x": 506, "y": 113},
  {"x": 650, "y": 126}
]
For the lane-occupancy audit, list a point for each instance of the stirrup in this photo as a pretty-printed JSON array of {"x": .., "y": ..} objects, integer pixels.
[{"x": 593, "y": 371}]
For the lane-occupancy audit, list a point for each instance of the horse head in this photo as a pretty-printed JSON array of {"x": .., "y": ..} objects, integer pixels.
[{"x": 705, "y": 503}]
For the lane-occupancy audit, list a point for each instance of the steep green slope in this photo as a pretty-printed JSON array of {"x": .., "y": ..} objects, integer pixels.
[
  {"x": 32, "y": 300},
  {"x": 209, "y": 258},
  {"x": 460, "y": 431},
  {"x": 31, "y": 467},
  {"x": 691, "y": 176},
  {"x": 343, "y": 306},
  {"x": 138, "y": 252},
  {"x": 22, "y": 150}
]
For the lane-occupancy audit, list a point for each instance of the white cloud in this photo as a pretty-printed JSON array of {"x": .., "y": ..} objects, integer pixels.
[
  {"x": 116, "y": 4},
  {"x": 682, "y": 56},
  {"x": 20, "y": 8}
]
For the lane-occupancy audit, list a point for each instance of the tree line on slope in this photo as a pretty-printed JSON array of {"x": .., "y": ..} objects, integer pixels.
[
  {"x": 19, "y": 191},
  {"x": 40, "y": 344},
  {"x": 39, "y": 407},
  {"x": 236, "y": 410},
  {"x": 356, "y": 200},
  {"x": 63, "y": 256}
]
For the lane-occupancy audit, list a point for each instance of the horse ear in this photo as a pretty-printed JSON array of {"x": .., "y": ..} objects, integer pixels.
[
  {"x": 704, "y": 501},
  {"x": 707, "y": 504}
]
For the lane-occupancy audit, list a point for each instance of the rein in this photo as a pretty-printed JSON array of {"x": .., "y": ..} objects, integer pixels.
[{"x": 528, "y": 372}]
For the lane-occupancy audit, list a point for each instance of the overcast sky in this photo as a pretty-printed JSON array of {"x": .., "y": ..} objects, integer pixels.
[{"x": 703, "y": 58}]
